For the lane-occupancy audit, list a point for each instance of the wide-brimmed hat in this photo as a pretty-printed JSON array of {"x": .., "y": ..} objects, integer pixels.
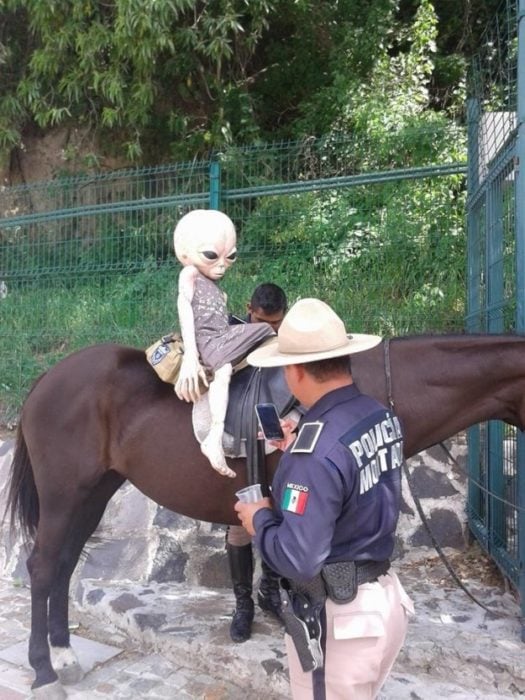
[{"x": 310, "y": 331}]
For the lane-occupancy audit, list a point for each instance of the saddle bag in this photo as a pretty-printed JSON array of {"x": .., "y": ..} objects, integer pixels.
[{"x": 165, "y": 356}]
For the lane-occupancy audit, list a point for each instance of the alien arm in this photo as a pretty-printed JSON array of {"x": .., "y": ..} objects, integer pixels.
[{"x": 187, "y": 385}]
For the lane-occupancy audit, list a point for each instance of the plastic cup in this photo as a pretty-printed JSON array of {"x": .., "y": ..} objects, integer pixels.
[{"x": 250, "y": 494}]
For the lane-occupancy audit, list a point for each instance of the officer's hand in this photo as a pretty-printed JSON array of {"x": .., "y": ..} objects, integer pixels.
[
  {"x": 288, "y": 426},
  {"x": 246, "y": 511}
]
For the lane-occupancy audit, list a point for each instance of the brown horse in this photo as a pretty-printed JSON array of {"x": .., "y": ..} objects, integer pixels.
[{"x": 101, "y": 416}]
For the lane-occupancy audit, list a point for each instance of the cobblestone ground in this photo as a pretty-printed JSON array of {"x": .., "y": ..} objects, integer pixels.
[
  {"x": 163, "y": 641},
  {"x": 136, "y": 671}
]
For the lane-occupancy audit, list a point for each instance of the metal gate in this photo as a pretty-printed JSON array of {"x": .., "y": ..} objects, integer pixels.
[{"x": 496, "y": 275}]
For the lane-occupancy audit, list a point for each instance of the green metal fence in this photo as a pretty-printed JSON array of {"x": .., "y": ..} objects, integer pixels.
[
  {"x": 89, "y": 259},
  {"x": 496, "y": 274}
]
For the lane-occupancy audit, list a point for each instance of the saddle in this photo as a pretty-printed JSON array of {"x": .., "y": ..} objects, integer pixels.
[{"x": 248, "y": 386}]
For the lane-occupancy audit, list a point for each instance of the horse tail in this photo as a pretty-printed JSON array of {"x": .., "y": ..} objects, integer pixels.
[{"x": 22, "y": 498}]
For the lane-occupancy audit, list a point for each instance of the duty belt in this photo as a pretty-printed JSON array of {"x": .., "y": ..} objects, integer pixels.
[
  {"x": 302, "y": 603},
  {"x": 340, "y": 580},
  {"x": 343, "y": 578}
]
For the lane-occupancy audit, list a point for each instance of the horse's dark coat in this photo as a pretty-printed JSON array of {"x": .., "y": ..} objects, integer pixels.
[{"x": 101, "y": 416}]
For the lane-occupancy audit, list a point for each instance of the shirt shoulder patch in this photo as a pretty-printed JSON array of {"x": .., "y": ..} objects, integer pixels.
[
  {"x": 307, "y": 438},
  {"x": 295, "y": 498}
]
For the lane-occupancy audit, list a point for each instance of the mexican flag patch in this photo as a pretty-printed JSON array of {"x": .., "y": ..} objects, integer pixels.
[{"x": 295, "y": 499}]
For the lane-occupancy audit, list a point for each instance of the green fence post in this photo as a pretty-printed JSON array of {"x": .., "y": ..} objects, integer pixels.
[
  {"x": 494, "y": 321},
  {"x": 474, "y": 315},
  {"x": 473, "y": 218},
  {"x": 520, "y": 287},
  {"x": 215, "y": 184}
]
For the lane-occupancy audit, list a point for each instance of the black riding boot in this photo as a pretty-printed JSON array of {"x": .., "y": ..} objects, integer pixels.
[
  {"x": 268, "y": 594},
  {"x": 241, "y": 569}
]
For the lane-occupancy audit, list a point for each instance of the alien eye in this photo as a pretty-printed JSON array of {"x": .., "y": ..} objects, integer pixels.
[
  {"x": 209, "y": 254},
  {"x": 232, "y": 256}
]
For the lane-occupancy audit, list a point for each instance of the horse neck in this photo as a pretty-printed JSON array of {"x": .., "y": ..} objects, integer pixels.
[{"x": 453, "y": 382}]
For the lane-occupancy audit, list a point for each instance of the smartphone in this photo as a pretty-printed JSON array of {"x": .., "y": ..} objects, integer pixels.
[{"x": 269, "y": 421}]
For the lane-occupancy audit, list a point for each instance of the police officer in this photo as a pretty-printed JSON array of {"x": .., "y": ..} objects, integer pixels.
[
  {"x": 329, "y": 527},
  {"x": 267, "y": 304}
]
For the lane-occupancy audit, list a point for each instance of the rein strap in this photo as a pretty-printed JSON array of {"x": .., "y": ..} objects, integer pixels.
[{"x": 417, "y": 502}]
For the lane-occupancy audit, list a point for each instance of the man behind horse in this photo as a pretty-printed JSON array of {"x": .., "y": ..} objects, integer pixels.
[
  {"x": 267, "y": 304},
  {"x": 329, "y": 528}
]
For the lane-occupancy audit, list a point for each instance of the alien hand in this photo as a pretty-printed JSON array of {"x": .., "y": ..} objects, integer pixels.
[{"x": 187, "y": 385}]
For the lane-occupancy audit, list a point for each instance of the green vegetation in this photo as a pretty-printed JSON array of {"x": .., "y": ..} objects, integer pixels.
[
  {"x": 388, "y": 254},
  {"x": 158, "y": 80},
  {"x": 390, "y": 258}
]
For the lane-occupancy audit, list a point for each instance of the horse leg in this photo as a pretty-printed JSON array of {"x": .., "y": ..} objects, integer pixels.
[
  {"x": 42, "y": 566},
  {"x": 59, "y": 542},
  {"x": 88, "y": 516}
]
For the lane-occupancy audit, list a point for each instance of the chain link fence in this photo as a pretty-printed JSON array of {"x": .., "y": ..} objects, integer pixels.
[
  {"x": 89, "y": 259},
  {"x": 496, "y": 274}
]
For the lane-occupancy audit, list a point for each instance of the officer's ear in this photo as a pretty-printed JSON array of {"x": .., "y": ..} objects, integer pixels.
[
  {"x": 301, "y": 371},
  {"x": 295, "y": 372}
]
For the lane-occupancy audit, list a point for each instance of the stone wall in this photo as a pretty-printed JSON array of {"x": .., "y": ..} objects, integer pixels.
[
  {"x": 441, "y": 486},
  {"x": 140, "y": 541}
]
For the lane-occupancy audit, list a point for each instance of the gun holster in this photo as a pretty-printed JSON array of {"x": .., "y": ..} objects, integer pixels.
[
  {"x": 302, "y": 603},
  {"x": 302, "y": 620}
]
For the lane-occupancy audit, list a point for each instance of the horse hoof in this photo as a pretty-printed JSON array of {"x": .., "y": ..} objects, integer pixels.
[
  {"x": 65, "y": 665},
  {"x": 70, "y": 674},
  {"x": 51, "y": 691}
]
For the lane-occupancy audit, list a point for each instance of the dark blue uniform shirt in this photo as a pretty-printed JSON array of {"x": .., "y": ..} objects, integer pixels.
[{"x": 339, "y": 499}]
